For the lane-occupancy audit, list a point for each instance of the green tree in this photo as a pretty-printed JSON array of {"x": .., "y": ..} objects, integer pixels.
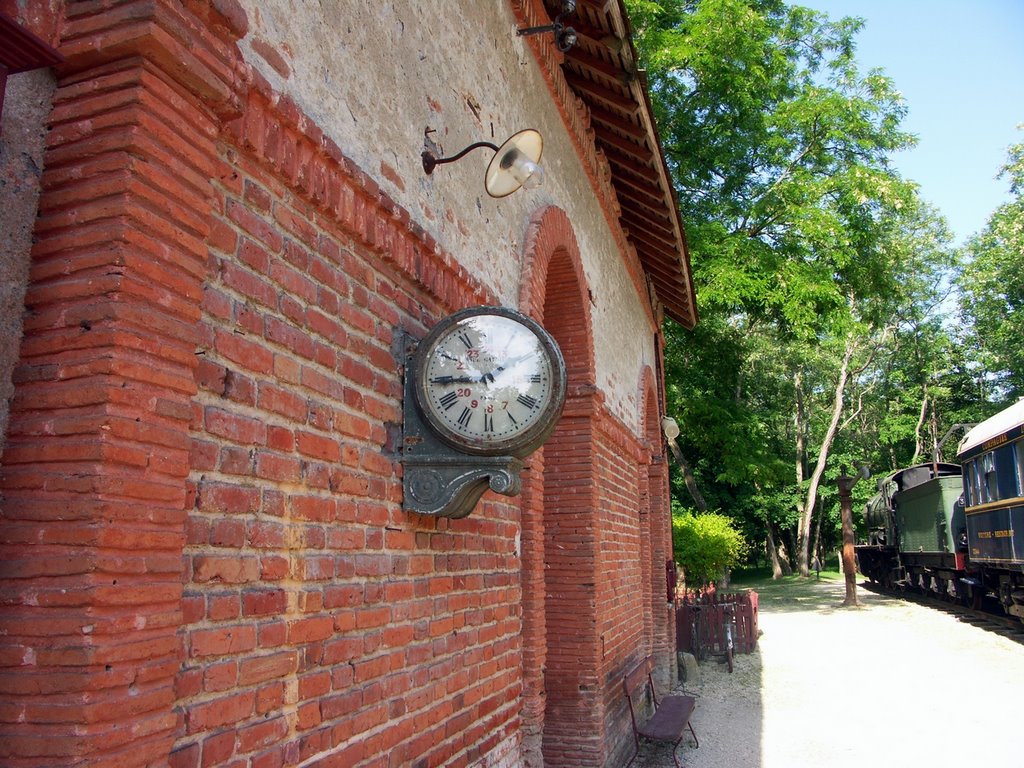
[
  {"x": 779, "y": 150},
  {"x": 992, "y": 287}
]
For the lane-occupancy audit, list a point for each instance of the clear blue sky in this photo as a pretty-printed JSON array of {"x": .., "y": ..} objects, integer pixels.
[{"x": 960, "y": 67}]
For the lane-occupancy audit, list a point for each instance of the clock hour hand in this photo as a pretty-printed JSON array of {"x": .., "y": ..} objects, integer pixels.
[
  {"x": 485, "y": 378},
  {"x": 488, "y": 378}
]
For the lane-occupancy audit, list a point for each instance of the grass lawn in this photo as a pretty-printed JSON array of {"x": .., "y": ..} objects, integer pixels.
[{"x": 789, "y": 592}]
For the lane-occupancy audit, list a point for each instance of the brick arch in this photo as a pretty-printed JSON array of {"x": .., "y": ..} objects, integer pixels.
[
  {"x": 562, "y": 713},
  {"x": 552, "y": 257},
  {"x": 650, "y": 411}
]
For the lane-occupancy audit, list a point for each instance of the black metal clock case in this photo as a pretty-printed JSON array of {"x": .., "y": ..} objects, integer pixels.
[{"x": 446, "y": 478}]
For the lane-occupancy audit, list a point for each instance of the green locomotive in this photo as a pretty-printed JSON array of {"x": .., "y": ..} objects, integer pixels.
[
  {"x": 956, "y": 530},
  {"x": 917, "y": 530}
]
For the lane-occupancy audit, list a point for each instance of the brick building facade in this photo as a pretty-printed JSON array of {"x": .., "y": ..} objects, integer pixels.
[{"x": 205, "y": 557}]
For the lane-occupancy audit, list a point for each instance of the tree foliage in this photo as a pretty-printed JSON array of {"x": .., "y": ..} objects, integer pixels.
[
  {"x": 820, "y": 273},
  {"x": 992, "y": 287},
  {"x": 779, "y": 152}
]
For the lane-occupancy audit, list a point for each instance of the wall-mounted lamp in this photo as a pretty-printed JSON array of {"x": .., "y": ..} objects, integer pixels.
[
  {"x": 514, "y": 165},
  {"x": 670, "y": 427},
  {"x": 565, "y": 37}
]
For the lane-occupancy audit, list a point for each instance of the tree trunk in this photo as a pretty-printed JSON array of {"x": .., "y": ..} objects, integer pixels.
[
  {"x": 773, "y": 554},
  {"x": 799, "y": 420},
  {"x": 786, "y": 550},
  {"x": 804, "y": 539},
  {"x": 918, "y": 437},
  {"x": 816, "y": 549},
  {"x": 800, "y": 430},
  {"x": 783, "y": 550}
]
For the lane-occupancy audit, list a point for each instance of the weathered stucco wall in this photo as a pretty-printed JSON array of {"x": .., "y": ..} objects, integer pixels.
[
  {"x": 22, "y": 135},
  {"x": 376, "y": 76}
]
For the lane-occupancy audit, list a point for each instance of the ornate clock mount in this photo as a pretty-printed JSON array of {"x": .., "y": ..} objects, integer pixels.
[{"x": 483, "y": 390}]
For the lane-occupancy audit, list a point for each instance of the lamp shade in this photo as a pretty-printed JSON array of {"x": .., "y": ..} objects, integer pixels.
[
  {"x": 515, "y": 164},
  {"x": 670, "y": 427}
]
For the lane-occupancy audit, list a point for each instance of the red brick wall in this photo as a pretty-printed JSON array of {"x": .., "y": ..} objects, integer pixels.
[
  {"x": 637, "y": 543},
  {"x": 317, "y": 611},
  {"x": 94, "y": 473},
  {"x": 202, "y": 533}
]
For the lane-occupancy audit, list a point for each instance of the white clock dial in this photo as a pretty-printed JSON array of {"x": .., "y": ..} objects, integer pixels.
[{"x": 490, "y": 381}]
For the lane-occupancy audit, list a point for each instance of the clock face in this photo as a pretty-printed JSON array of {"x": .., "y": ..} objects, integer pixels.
[{"x": 490, "y": 380}]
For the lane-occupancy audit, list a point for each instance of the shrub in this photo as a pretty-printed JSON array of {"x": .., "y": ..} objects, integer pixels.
[{"x": 706, "y": 545}]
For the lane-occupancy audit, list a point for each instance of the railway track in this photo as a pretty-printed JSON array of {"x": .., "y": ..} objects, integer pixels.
[{"x": 991, "y": 619}]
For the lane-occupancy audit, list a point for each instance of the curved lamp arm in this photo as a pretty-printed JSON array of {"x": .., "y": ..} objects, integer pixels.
[{"x": 430, "y": 160}]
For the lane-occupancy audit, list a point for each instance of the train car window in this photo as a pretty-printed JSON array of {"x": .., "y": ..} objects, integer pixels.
[
  {"x": 989, "y": 488},
  {"x": 966, "y": 471},
  {"x": 975, "y": 482},
  {"x": 1006, "y": 472},
  {"x": 1019, "y": 450}
]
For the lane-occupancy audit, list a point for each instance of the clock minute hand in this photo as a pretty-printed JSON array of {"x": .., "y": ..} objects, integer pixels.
[
  {"x": 454, "y": 380},
  {"x": 510, "y": 364}
]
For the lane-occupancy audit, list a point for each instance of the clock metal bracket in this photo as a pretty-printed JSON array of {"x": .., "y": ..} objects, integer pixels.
[{"x": 440, "y": 480}]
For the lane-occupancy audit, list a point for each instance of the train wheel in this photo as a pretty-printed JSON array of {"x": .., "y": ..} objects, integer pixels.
[
  {"x": 949, "y": 590},
  {"x": 972, "y": 596},
  {"x": 965, "y": 593}
]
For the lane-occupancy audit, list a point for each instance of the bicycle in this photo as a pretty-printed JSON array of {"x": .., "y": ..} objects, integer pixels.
[
  {"x": 696, "y": 642},
  {"x": 730, "y": 627}
]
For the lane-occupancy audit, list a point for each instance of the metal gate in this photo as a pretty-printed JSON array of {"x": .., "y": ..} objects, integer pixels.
[{"x": 701, "y": 617}]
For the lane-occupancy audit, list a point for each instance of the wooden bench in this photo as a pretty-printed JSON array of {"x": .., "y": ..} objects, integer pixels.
[{"x": 671, "y": 715}]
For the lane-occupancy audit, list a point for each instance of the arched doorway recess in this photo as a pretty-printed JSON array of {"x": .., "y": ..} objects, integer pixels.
[
  {"x": 656, "y": 534},
  {"x": 561, "y": 651}
]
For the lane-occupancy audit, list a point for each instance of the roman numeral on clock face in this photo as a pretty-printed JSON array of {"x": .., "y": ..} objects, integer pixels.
[
  {"x": 448, "y": 400},
  {"x": 464, "y": 338},
  {"x": 488, "y": 423},
  {"x": 529, "y": 402},
  {"x": 465, "y": 416}
]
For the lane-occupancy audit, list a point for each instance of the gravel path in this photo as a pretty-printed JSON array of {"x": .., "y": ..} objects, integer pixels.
[{"x": 888, "y": 685}]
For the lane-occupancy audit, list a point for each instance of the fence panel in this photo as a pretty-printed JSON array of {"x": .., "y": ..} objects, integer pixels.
[{"x": 700, "y": 618}]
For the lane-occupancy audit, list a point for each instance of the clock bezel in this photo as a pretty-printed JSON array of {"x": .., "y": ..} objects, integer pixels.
[{"x": 521, "y": 443}]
